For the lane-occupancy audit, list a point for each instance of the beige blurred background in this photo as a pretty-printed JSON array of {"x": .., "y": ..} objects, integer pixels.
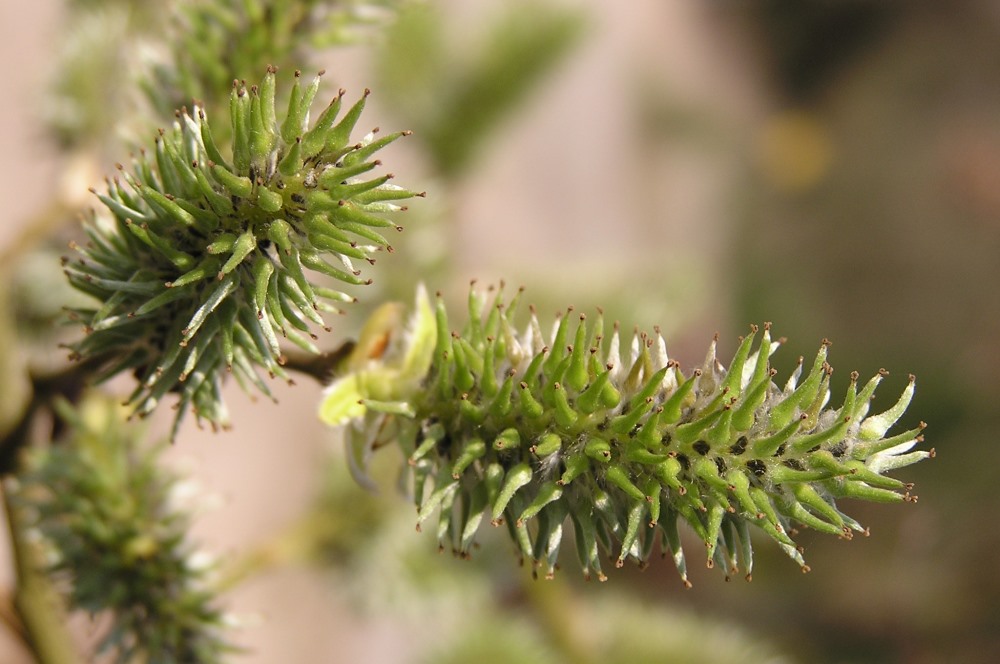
[{"x": 832, "y": 167}]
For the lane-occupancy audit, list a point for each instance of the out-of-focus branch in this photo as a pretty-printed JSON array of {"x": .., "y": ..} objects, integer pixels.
[
  {"x": 68, "y": 383},
  {"x": 37, "y": 603}
]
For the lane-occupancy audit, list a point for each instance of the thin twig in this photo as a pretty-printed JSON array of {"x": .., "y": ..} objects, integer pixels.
[
  {"x": 39, "y": 228},
  {"x": 37, "y": 603},
  {"x": 323, "y": 367},
  {"x": 67, "y": 383},
  {"x": 549, "y": 600}
]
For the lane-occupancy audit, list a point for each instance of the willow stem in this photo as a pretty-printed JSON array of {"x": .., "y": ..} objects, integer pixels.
[
  {"x": 323, "y": 368},
  {"x": 549, "y": 600},
  {"x": 36, "y": 601},
  {"x": 292, "y": 544},
  {"x": 38, "y": 229}
]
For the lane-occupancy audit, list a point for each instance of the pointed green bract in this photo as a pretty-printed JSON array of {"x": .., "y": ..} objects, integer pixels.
[
  {"x": 623, "y": 444},
  {"x": 204, "y": 231}
]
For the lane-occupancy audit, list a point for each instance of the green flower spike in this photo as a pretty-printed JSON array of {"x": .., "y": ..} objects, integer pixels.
[
  {"x": 540, "y": 432},
  {"x": 206, "y": 260},
  {"x": 104, "y": 505}
]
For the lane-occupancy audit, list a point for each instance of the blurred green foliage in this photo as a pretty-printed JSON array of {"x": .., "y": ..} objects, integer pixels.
[
  {"x": 216, "y": 42},
  {"x": 178, "y": 51},
  {"x": 454, "y": 93}
]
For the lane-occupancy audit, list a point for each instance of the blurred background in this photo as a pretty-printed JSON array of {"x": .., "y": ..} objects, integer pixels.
[{"x": 833, "y": 167}]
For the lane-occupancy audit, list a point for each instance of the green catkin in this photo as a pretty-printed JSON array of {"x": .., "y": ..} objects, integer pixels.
[
  {"x": 96, "y": 498},
  {"x": 190, "y": 218},
  {"x": 627, "y": 447}
]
